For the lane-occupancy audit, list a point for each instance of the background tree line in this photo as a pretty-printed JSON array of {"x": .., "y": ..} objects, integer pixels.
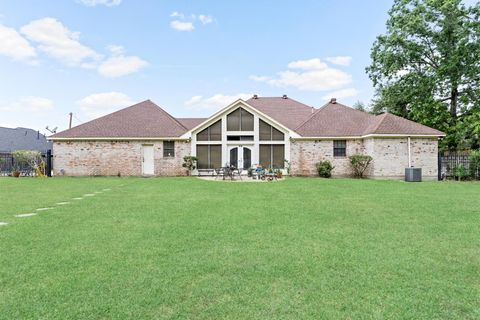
[{"x": 427, "y": 68}]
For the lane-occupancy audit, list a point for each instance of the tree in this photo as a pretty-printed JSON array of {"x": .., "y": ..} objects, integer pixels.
[
  {"x": 360, "y": 106},
  {"x": 427, "y": 67}
]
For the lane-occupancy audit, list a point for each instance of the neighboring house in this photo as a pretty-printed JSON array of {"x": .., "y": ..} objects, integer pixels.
[
  {"x": 145, "y": 140},
  {"x": 22, "y": 139}
]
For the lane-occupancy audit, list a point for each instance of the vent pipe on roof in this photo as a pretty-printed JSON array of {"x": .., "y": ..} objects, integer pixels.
[
  {"x": 255, "y": 96},
  {"x": 333, "y": 100},
  {"x": 285, "y": 96}
]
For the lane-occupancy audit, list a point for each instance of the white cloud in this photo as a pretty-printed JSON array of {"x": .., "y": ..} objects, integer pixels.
[
  {"x": 340, "y": 60},
  {"x": 309, "y": 75},
  {"x": 176, "y": 14},
  {"x": 311, "y": 64},
  {"x": 204, "y": 19},
  {"x": 13, "y": 45},
  {"x": 216, "y": 101},
  {"x": 99, "y": 104},
  {"x": 29, "y": 104},
  {"x": 193, "y": 100},
  {"x": 119, "y": 65},
  {"x": 57, "y": 41},
  {"x": 184, "y": 22},
  {"x": 341, "y": 94},
  {"x": 108, "y": 3},
  {"x": 182, "y": 25}
]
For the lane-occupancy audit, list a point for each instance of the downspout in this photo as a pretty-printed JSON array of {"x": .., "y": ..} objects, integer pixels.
[{"x": 409, "y": 154}]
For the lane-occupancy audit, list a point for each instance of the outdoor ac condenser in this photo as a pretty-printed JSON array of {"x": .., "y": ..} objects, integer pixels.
[{"x": 413, "y": 174}]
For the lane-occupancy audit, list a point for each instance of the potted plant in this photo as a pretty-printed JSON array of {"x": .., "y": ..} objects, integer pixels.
[
  {"x": 15, "y": 172},
  {"x": 279, "y": 173}
]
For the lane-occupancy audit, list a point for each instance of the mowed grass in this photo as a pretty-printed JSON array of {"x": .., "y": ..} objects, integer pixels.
[{"x": 184, "y": 248}]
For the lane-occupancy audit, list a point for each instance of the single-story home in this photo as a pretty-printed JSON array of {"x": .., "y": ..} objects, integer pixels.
[{"x": 274, "y": 132}]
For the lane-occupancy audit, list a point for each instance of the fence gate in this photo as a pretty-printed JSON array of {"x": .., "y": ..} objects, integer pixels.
[{"x": 455, "y": 164}]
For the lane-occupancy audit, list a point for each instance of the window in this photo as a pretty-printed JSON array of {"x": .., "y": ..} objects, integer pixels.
[
  {"x": 339, "y": 148},
  {"x": 272, "y": 156},
  {"x": 269, "y": 133},
  {"x": 240, "y": 138},
  {"x": 212, "y": 133},
  {"x": 209, "y": 156},
  {"x": 168, "y": 149},
  {"x": 240, "y": 120}
]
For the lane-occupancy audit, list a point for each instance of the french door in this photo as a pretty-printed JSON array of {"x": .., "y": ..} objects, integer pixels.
[{"x": 240, "y": 157}]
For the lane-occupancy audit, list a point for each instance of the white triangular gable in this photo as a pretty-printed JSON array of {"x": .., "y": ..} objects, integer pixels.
[{"x": 232, "y": 107}]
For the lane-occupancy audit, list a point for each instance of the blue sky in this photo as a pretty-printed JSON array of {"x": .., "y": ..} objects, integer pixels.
[{"x": 91, "y": 57}]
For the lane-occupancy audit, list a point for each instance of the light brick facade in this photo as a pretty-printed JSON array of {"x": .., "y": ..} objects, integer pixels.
[
  {"x": 305, "y": 154},
  {"x": 109, "y": 158},
  {"x": 390, "y": 156}
]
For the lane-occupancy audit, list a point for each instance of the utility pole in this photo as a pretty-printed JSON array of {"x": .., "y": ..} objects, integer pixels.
[{"x": 70, "y": 123}]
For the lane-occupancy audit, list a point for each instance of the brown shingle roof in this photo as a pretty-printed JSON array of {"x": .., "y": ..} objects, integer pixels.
[
  {"x": 338, "y": 120},
  {"x": 144, "y": 119},
  {"x": 288, "y": 112},
  {"x": 335, "y": 120},
  {"x": 191, "y": 123},
  {"x": 147, "y": 120},
  {"x": 388, "y": 123}
]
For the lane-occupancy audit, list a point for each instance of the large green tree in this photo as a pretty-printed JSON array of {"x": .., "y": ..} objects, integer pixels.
[{"x": 427, "y": 67}]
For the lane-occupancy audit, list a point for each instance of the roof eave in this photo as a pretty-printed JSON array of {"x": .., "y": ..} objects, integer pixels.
[
  {"x": 116, "y": 138},
  {"x": 393, "y": 135}
]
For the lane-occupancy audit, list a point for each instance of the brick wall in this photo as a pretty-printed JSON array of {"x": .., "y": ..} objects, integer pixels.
[
  {"x": 305, "y": 154},
  {"x": 108, "y": 158},
  {"x": 390, "y": 156}
]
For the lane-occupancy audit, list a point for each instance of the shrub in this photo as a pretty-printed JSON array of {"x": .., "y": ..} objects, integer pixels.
[
  {"x": 359, "y": 163},
  {"x": 31, "y": 159},
  {"x": 190, "y": 162},
  {"x": 460, "y": 172},
  {"x": 324, "y": 169},
  {"x": 475, "y": 164}
]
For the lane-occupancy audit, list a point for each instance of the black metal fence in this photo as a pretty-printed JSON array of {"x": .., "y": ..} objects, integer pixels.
[
  {"x": 457, "y": 165},
  {"x": 8, "y": 164}
]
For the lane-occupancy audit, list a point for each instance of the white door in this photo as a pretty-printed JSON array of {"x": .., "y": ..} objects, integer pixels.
[
  {"x": 147, "y": 161},
  {"x": 240, "y": 157}
]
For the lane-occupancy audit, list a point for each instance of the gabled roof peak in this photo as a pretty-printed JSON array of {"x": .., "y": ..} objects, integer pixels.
[{"x": 143, "y": 119}]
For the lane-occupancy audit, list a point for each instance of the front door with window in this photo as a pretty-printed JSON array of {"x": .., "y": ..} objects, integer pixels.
[{"x": 240, "y": 157}]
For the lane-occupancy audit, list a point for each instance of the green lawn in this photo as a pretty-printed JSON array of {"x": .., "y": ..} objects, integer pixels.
[{"x": 184, "y": 248}]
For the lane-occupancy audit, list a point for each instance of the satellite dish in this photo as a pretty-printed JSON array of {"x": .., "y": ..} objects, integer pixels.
[{"x": 54, "y": 130}]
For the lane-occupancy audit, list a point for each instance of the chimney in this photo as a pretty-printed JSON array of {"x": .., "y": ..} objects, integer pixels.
[
  {"x": 255, "y": 96},
  {"x": 284, "y": 96},
  {"x": 333, "y": 100}
]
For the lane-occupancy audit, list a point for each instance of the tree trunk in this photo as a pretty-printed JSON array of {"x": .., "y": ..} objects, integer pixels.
[{"x": 454, "y": 102}]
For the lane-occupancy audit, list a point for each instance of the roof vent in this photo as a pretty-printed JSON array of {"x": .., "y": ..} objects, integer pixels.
[
  {"x": 255, "y": 96},
  {"x": 333, "y": 100},
  {"x": 284, "y": 96}
]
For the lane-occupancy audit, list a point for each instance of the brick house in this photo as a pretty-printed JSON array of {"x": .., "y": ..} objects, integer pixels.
[{"x": 270, "y": 131}]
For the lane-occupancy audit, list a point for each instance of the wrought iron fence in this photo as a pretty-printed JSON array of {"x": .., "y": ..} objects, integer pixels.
[
  {"x": 457, "y": 165},
  {"x": 8, "y": 164}
]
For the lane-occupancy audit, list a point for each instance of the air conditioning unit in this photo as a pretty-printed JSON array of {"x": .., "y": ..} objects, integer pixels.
[{"x": 413, "y": 174}]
